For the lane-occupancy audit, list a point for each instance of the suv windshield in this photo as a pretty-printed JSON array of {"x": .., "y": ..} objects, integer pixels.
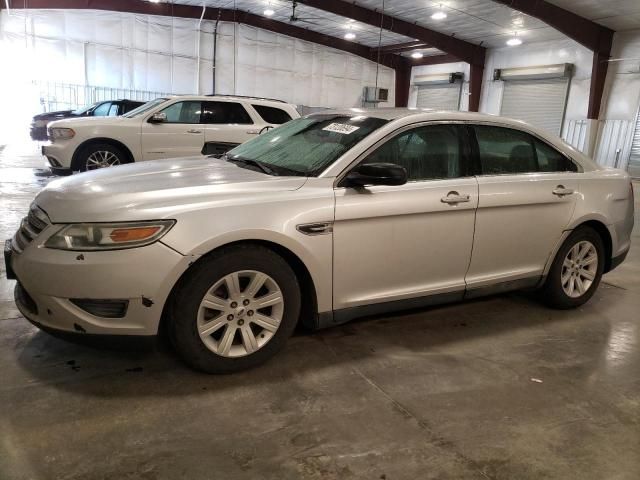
[
  {"x": 145, "y": 108},
  {"x": 307, "y": 146}
]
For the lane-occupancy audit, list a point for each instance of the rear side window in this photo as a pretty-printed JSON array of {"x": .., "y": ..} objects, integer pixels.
[
  {"x": 550, "y": 160},
  {"x": 504, "y": 151},
  {"x": 225, "y": 113},
  {"x": 277, "y": 116}
]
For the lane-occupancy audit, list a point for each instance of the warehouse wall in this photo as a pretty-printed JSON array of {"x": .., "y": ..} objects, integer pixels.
[
  {"x": 154, "y": 53},
  {"x": 442, "y": 68}
]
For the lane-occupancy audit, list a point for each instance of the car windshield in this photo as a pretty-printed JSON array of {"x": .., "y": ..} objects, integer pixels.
[
  {"x": 145, "y": 108},
  {"x": 83, "y": 110},
  {"x": 306, "y": 146}
]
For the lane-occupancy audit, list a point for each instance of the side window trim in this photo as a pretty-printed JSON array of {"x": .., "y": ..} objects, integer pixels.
[
  {"x": 465, "y": 152},
  {"x": 476, "y": 151}
]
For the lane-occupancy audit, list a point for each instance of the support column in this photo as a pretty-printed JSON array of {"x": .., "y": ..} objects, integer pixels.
[
  {"x": 475, "y": 86},
  {"x": 403, "y": 83}
]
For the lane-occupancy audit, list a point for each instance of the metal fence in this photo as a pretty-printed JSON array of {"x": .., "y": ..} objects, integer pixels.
[{"x": 63, "y": 96}]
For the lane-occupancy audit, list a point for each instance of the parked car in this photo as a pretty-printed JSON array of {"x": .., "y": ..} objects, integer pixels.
[
  {"x": 327, "y": 218},
  {"x": 168, "y": 127},
  {"x": 109, "y": 108}
]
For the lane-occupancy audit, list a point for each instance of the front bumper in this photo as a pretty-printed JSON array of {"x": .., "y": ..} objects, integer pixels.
[
  {"x": 48, "y": 279},
  {"x": 59, "y": 154}
]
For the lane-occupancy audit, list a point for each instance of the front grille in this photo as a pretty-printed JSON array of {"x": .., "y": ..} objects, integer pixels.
[
  {"x": 24, "y": 299},
  {"x": 30, "y": 228},
  {"x": 102, "y": 308}
]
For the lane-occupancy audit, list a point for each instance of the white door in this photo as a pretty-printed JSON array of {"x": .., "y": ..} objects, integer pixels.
[
  {"x": 398, "y": 242},
  {"x": 444, "y": 96},
  {"x": 181, "y": 135},
  {"x": 527, "y": 195}
]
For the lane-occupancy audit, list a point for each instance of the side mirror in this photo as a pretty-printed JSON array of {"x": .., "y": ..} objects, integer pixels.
[
  {"x": 376, "y": 174},
  {"x": 159, "y": 117}
]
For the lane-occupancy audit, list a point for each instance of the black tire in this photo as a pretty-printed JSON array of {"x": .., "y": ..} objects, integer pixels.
[
  {"x": 80, "y": 162},
  {"x": 552, "y": 292},
  {"x": 185, "y": 303}
]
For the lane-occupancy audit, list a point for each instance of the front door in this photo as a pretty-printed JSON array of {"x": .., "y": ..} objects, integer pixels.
[
  {"x": 181, "y": 135},
  {"x": 398, "y": 242},
  {"x": 527, "y": 196}
]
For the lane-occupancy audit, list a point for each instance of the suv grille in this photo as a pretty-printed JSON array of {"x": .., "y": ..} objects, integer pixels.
[{"x": 30, "y": 228}]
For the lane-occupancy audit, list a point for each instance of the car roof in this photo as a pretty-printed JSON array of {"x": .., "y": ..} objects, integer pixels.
[{"x": 236, "y": 98}]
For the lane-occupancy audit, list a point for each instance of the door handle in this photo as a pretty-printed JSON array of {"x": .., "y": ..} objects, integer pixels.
[
  {"x": 253, "y": 132},
  {"x": 454, "y": 197},
  {"x": 193, "y": 130},
  {"x": 560, "y": 191}
]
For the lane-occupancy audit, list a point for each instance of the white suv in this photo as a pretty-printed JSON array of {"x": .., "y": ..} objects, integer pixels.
[{"x": 176, "y": 126}]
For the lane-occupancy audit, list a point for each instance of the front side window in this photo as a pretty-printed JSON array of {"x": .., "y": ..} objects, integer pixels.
[
  {"x": 183, "y": 112},
  {"x": 225, "y": 113},
  {"x": 273, "y": 115},
  {"x": 428, "y": 152},
  {"x": 307, "y": 146},
  {"x": 505, "y": 151},
  {"x": 113, "y": 110},
  {"x": 102, "y": 110}
]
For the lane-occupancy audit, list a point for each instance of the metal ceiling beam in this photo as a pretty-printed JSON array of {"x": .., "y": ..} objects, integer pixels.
[
  {"x": 465, "y": 51},
  {"x": 403, "y": 47},
  {"x": 433, "y": 60},
  {"x": 590, "y": 34}
]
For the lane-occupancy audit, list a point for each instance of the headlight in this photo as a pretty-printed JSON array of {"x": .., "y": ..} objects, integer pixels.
[
  {"x": 57, "y": 133},
  {"x": 108, "y": 236}
]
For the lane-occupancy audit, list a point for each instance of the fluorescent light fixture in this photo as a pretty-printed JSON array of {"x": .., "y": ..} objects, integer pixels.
[
  {"x": 417, "y": 55},
  {"x": 514, "y": 41},
  {"x": 350, "y": 36},
  {"x": 268, "y": 12},
  {"x": 439, "y": 15}
]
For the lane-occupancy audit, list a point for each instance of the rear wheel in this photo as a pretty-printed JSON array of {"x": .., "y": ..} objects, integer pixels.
[
  {"x": 100, "y": 155},
  {"x": 234, "y": 310},
  {"x": 576, "y": 270}
]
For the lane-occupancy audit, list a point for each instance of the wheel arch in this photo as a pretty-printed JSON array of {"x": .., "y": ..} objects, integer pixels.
[
  {"x": 90, "y": 141},
  {"x": 605, "y": 235},
  {"x": 309, "y": 307}
]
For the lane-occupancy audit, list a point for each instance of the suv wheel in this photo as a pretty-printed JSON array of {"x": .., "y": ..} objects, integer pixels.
[
  {"x": 100, "y": 155},
  {"x": 234, "y": 310},
  {"x": 576, "y": 270}
]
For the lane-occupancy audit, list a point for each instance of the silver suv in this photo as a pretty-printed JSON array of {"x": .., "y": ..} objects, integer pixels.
[{"x": 326, "y": 218}]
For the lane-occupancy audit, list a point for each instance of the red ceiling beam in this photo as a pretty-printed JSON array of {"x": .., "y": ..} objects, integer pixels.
[
  {"x": 433, "y": 60},
  {"x": 465, "y": 51},
  {"x": 590, "y": 34}
]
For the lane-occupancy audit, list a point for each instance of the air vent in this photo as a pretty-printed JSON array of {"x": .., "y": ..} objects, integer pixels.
[{"x": 102, "y": 308}]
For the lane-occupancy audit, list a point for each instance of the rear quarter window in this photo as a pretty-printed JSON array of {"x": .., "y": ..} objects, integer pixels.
[{"x": 273, "y": 115}]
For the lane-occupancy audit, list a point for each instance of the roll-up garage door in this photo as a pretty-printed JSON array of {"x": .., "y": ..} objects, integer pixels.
[
  {"x": 634, "y": 158},
  {"x": 445, "y": 96},
  {"x": 539, "y": 102}
]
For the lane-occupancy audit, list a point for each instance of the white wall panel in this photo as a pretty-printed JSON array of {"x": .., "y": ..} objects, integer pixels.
[
  {"x": 575, "y": 134},
  {"x": 615, "y": 143}
]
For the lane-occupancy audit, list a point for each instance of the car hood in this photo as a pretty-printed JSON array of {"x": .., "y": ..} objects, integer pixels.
[
  {"x": 91, "y": 122},
  {"x": 54, "y": 115},
  {"x": 158, "y": 189}
]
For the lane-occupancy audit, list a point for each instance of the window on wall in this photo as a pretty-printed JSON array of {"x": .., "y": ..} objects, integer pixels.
[
  {"x": 429, "y": 152},
  {"x": 507, "y": 151}
]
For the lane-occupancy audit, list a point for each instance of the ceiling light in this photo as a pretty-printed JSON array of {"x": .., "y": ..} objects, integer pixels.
[
  {"x": 439, "y": 15},
  {"x": 268, "y": 12},
  {"x": 514, "y": 41},
  {"x": 417, "y": 55},
  {"x": 349, "y": 36}
]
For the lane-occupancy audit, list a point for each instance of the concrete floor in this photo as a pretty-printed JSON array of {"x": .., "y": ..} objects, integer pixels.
[{"x": 500, "y": 388}]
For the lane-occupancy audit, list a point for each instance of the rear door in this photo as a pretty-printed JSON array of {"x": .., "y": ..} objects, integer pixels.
[
  {"x": 527, "y": 193},
  {"x": 226, "y": 124},
  {"x": 181, "y": 135}
]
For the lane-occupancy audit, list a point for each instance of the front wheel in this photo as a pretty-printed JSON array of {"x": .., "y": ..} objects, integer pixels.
[
  {"x": 100, "y": 155},
  {"x": 576, "y": 271},
  {"x": 234, "y": 310}
]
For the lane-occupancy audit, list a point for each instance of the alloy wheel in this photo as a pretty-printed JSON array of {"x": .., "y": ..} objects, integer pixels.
[
  {"x": 240, "y": 313},
  {"x": 579, "y": 269},
  {"x": 101, "y": 159}
]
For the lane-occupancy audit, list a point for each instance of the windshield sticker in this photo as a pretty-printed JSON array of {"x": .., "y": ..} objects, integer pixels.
[{"x": 340, "y": 128}]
